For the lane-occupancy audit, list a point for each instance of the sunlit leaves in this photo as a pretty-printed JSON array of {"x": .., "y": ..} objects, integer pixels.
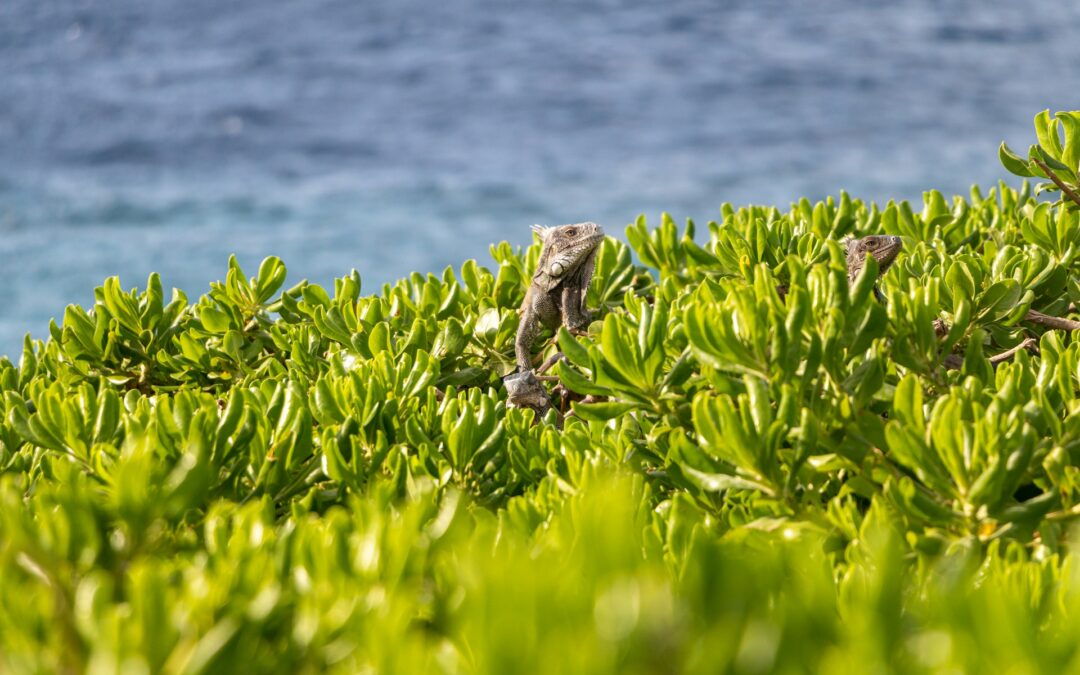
[
  {"x": 308, "y": 478},
  {"x": 1056, "y": 156}
]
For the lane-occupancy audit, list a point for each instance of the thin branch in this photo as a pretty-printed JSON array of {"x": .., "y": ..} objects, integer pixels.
[
  {"x": 1051, "y": 321},
  {"x": 1005, "y": 355},
  {"x": 551, "y": 361},
  {"x": 1065, "y": 514},
  {"x": 941, "y": 329},
  {"x": 955, "y": 361},
  {"x": 1057, "y": 180}
]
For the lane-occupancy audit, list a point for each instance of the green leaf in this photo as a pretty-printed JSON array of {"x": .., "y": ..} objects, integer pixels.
[
  {"x": 214, "y": 320},
  {"x": 1013, "y": 163},
  {"x": 1047, "y": 133},
  {"x": 1070, "y": 155},
  {"x": 574, "y": 381},
  {"x": 573, "y": 350},
  {"x": 602, "y": 412},
  {"x": 271, "y": 276},
  {"x": 379, "y": 338}
]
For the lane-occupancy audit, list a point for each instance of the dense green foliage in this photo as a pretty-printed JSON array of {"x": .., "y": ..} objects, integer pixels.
[
  {"x": 300, "y": 480},
  {"x": 1055, "y": 156}
]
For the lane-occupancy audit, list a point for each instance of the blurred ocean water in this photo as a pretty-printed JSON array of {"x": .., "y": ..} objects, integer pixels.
[{"x": 150, "y": 135}]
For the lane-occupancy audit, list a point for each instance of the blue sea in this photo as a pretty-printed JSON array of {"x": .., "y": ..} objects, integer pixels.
[{"x": 154, "y": 135}]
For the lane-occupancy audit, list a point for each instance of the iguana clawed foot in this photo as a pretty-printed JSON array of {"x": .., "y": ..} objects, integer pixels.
[{"x": 524, "y": 390}]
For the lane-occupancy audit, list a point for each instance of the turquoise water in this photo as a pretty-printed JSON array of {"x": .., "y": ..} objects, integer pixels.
[{"x": 140, "y": 136}]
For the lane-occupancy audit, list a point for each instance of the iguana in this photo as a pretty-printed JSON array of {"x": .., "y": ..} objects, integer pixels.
[
  {"x": 556, "y": 293},
  {"x": 883, "y": 247}
]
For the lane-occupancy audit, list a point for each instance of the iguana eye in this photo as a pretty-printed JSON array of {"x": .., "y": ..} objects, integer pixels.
[
  {"x": 570, "y": 232},
  {"x": 557, "y": 269}
]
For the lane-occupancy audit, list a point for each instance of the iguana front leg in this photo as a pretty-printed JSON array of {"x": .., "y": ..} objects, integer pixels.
[
  {"x": 575, "y": 316},
  {"x": 538, "y": 312}
]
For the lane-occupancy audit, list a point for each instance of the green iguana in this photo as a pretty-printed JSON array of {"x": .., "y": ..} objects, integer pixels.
[{"x": 557, "y": 291}]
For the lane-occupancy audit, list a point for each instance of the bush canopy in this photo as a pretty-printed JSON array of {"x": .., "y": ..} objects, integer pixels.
[{"x": 773, "y": 470}]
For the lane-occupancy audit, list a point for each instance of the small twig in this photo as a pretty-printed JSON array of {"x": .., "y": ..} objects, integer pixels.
[
  {"x": 1007, "y": 354},
  {"x": 1064, "y": 514},
  {"x": 1051, "y": 321},
  {"x": 955, "y": 361},
  {"x": 1057, "y": 181},
  {"x": 941, "y": 329},
  {"x": 549, "y": 362}
]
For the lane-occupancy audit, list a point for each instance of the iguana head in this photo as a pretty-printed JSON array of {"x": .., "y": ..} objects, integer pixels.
[
  {"x": 884, "y": 248},
  {"x": 566, "y": 249}
]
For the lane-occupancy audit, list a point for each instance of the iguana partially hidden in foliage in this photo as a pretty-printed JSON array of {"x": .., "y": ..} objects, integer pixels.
[
  {"x": 557, "y": 291},
  {"x": 883, "y": 247}
]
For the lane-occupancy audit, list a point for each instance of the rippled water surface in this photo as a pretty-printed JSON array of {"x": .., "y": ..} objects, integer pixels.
[{"x": 150, "y": 135}]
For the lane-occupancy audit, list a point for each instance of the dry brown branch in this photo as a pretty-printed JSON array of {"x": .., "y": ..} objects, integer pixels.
[
  {"x": 955, "y": 361},
  {"x": 1007, "y": 354},
  {"x": 941, "y": 329},
  {"x": 549, "y": 362},
  {"x": 1051, "y": 321},
  {"x": 1065, "y": 188}
]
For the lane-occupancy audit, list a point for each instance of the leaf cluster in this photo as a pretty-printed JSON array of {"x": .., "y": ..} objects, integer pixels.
[
  {"x": 763, "y": 467},
  {"x": 1055, "y": 157}
]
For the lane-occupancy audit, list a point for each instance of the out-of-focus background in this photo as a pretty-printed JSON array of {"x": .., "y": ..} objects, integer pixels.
[{"x": 153, "y": 135}]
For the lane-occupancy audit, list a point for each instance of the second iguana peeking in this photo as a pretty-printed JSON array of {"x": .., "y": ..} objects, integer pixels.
[{"x": 557, "y": 291}]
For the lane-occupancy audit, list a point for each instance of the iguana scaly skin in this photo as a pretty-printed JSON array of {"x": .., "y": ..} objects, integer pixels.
[
  {"x": 883, "y": 247},
  {"x": 523, "y": 390},
  {"x": 557, "y": 291}
]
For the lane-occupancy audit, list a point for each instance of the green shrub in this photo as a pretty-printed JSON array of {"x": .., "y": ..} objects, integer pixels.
[{"x": 302, "y": 479}]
